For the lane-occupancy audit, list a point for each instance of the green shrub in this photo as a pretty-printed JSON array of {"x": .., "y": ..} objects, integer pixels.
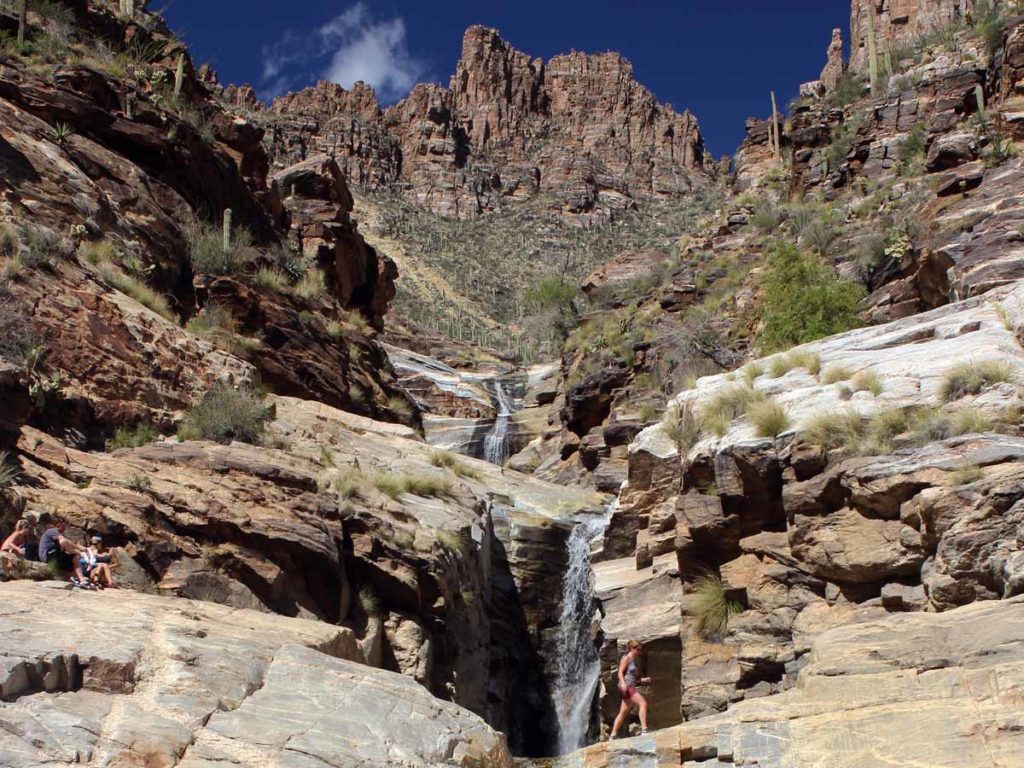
[
  {"x": 133, "y": 437},
  {"x": 769, "y": 418},
  {"x": 801, "y": 217},
  {"x": 849, "y": 88},
  {"x": 842, "y": 143},
  {"x": 139, "y": 483},
  {"x": 43, "y": 248},
  {"x": 804, "y": 300},
  {"x": 911, "y": 147},
  {"x": 867, "y": 381},
  {"x": 712, "y": 608},
  {"x": 113, "y": 276},
  {"x": 206, "y": 250},
  {"x": 767, "y": 216},
  {"x": 312, "y": 286},
  {"x": 835, "y": 373},
  {"x": 821, "y": 234},
  {"x": 971, "y": 378},
  {"x": 225, "y": 414}
]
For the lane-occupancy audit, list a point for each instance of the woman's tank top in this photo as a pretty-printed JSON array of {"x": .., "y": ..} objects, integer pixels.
[{"x": 632, "y": 676}]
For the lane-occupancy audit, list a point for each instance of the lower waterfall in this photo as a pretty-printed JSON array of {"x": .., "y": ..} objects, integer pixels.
[
  {"x": 496, "y": 443},
  {"x": 579, "y": 668}
]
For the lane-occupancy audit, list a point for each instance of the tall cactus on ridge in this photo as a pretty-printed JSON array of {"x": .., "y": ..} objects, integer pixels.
[
  {"x": 872, "y": 48},
  {"x": 179, "y": 77},
  {"x": 22, "y": 21},
  {"x": 227, "y": 229},
  {"x": 778, "y": 133}
]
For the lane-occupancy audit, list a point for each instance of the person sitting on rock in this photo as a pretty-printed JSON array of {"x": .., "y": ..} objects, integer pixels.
[
  {"x": 57, "y": 551},
  {"x": 629, "y": 678},
  {"x": 96, "y": 563},
  {"x": 16, "y": 542}
]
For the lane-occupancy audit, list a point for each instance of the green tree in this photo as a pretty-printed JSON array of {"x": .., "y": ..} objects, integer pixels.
[{"x": 803, "y": 299}]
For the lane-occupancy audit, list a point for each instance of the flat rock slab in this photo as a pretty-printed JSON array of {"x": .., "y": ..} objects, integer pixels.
[
  {"x": 937, "y": 690},
  {"x": 121, "y": 678}
]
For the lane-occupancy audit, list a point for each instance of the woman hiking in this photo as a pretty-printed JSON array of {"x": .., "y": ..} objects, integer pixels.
[{"x": 629, "y": 678}]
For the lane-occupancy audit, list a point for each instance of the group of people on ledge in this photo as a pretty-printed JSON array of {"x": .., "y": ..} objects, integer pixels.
[{"x": 43, "y": 540}]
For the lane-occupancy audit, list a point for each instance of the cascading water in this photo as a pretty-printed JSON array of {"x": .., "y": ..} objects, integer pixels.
[
  {"x": 579, "y": 668},
  {"x": 496, "y": 442}
]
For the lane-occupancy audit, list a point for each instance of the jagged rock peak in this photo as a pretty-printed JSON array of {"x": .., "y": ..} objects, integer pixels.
[{"x": 460, "y": 150}]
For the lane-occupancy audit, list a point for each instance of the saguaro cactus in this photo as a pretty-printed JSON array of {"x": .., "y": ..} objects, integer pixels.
[
  {"x": 227, "y": 229},
  {"x": 872, "y": 48},
  {"x": 979, "y": 96},
  {"x": 179, "y": 77},
  {"x": 778, "y": 134},
  {"x": 22, "y": 21}
]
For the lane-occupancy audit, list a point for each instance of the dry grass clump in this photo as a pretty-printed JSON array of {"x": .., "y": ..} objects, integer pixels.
[
  {"x": 271, "y": 279},
  {"x": 112, "y": 275},
  {"x": 835, "y": 373},
  {"x": 312, "y": 286},
  {"x": 448, "y": 460},
  {"x": 723, "y": 407},
  {"x": 349, "y": 484},
  {"x": 682, "y": 427},
  {"x": 867, "y": 381},
  {"x": 713, "y": 609},
  {"x": 973, "y": 377},
  {"x": 783, "y": 364},
  {"x": 769, "y": 418},
  {"x": 965, "y": 476},
  {"x": 395, "y": 486},
  {"x": 835, "y": 429},
  {"x": 750, "y": 372}
]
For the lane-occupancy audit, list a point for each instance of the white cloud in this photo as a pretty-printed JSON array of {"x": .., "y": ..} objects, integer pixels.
[{"x": 352, "y": 46}]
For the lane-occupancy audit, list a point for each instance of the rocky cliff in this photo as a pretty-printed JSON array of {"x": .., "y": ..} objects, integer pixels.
[{"x": 578, "y": 129}]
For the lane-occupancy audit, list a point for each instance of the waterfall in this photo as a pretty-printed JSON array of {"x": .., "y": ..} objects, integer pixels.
[
  {"x": 496, "y": 443},
  {"x": 578, "y": 665}
]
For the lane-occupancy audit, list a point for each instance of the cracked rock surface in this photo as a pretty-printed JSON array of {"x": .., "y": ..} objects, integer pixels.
[{"x": 129, "y": 679}]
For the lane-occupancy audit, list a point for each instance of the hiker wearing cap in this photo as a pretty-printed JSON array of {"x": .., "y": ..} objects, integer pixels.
[{"x": 97, "y": 563}]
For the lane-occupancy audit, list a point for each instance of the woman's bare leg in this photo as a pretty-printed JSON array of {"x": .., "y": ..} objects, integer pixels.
[
  {"x": 621, "y": 717},
  {"x": 642, "y": 703}
]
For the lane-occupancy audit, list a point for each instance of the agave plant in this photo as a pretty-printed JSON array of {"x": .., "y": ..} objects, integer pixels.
[
  {"x": 9, "y": 472},
  {"x": 62, "y": 132}
]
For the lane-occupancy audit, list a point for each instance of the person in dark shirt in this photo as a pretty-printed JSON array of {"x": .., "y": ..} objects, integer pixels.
[{"x": 58, "y": 551}]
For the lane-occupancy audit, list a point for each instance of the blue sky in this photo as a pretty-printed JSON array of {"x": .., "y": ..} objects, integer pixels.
[{"x": 719, "y": 58}]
